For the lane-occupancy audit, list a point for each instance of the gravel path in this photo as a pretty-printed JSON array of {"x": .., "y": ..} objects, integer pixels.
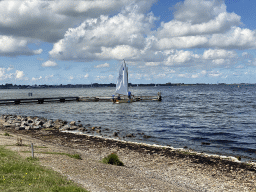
[{"x": 146, "y": 169}]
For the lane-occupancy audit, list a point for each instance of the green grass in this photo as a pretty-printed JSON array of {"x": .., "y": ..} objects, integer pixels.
[
  {"x": 113, "y": 160},
  {"x": 6, "y": 134},
  {"x": 18, "y": 174},
  {"x": 27, "y": 146},
  {"x": 75, "y": 156}
]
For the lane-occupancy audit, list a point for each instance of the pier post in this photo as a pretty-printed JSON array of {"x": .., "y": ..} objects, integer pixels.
[
  {"x": 32, "y": 150},
  {"x": 62, "y": 100},
  {"x": 40, "y": 101},
  {"x": 17, "y": 101}
]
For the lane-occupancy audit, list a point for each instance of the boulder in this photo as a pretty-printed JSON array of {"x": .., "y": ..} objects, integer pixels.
[
  {"x": 130, "y": 135},
  {"x": 73, "y": 128},
  {"x": 39, "y": 122},
  {"x": 29, "y": 127},
  {"x": 8, "y": 125},
  {"x": 30, "y": 121},
  {"x": 98, "y": 131},
  {"x": 24, "y": 123},
  {"x": 48, "y": 124},
  {"x": 19, "y": 128},
  {"x": 72, "y": 123},
  {"x": 82, "y": 129},
  {"x": 17, "y": 124},
  {"x": 65, "y": 127},
  {"x": 36, "y": 127}
]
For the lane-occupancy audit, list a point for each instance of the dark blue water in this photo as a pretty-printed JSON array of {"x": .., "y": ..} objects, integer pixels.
[{"x": 221, "y": 115}]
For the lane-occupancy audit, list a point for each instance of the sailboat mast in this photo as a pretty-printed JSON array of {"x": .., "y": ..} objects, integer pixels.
[{"x": 126, "y": 73}]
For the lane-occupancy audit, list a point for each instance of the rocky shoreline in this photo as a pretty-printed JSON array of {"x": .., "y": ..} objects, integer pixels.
[{"x": 57, "y": 132}]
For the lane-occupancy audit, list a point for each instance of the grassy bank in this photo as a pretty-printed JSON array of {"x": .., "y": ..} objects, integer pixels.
[{"x": 17, "y": 174}]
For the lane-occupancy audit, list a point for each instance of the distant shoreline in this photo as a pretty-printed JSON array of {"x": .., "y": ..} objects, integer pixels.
[{"x": 11, "y": 86}]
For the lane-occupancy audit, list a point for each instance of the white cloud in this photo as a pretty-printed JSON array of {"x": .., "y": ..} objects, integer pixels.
[
  {"x": 49, "y": 64},
  {"x": 222, "y": 23},
  {"x": 49, "y": 77},
  {"x": 102, "y": 65},
  {"x": 10, "y": 68},
  {"x": 17, "y": 75},
  {"x": 214, "y": 74},
  {"x": 36, "y": 79},
  {"x": 86, "y": 76},
  {"x": 180, "y": 58},
  {"x": 237, "y": 38},
  {"x": 181, "y": 42},
  {"x": 195, "y": 76},
  {"x": 198, "y": 11},
  {"x": 49, "y": 20},
  {"x": 184, "y": 75},
  {"x": 152, "y": 63},
  {"x": 240, "y": 67},
  {"x": 123, "y": 29},
  {"x": 161, "y": 75},
  {"x": 10, "y": 46},
  {"x": 218, "y": 54},
  {"x": 117, "y": 37}
]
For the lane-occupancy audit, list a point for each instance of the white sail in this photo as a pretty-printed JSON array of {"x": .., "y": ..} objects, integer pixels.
[{"x": 122, "y": 80}]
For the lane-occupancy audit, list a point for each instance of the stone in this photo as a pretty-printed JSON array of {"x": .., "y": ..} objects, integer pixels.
[
  {"x": 98, "y": 130},
  {"x": 130, "y": 135},
  {"x": 24, "y": 123},
  {"x": 36, "y": 127},
  {"x": 48, "y": 124},
  {"x": 93, "y": 128},
  {"x": 72, "y": 123},
  {"x": 8, "y": 125},
  {"x": 39, "y": 122},
  {"x": 66, "y": 127},
  {"x": 28, "y": 127},
  {"x": 73, "y": 128},
  {"x": 19, "y": 128},
  {"x": 82, "y": 129},
  {"x": 115, "y": 134},
  {"x": 30, "y": 121},
  {"x": 17, "y": 124}
]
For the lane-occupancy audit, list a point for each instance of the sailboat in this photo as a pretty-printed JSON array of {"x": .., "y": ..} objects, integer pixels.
[{"x": 124, "y": 96}]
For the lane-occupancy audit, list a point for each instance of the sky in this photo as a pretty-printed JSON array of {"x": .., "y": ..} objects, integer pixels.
[{"x": 85, "y": 41}]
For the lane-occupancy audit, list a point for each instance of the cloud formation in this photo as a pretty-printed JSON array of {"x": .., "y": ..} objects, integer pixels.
[
  {"x": 49, "y": 64},
  {"x": 202, "y": 34},
  {"x": 5, "y": 75},
  {"x": 129, "y": 35},
  {"x": 10, "y": 46}
]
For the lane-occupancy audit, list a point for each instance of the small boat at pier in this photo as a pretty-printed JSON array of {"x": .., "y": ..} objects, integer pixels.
[{"x": 123, "y": 94}]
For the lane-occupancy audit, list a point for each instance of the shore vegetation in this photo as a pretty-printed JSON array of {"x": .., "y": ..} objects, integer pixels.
[
  {"x": 113, "y": 160},
  {"x": 18, "y": 174}
]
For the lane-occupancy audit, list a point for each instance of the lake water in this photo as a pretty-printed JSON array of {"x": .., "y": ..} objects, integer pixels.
[{"x": 221, "y": 115}]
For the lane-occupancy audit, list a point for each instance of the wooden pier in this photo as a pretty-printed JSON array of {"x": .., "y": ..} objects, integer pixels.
[
  {"x": 122, "y": 99},
  {"x": 37, "y": 100}
]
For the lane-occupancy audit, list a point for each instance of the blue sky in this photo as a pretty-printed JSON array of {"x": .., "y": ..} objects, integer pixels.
[{"x": 83, "y": 42}]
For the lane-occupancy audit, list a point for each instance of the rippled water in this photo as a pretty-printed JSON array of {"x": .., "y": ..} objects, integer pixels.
[{"x": 222, "y": 116}]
